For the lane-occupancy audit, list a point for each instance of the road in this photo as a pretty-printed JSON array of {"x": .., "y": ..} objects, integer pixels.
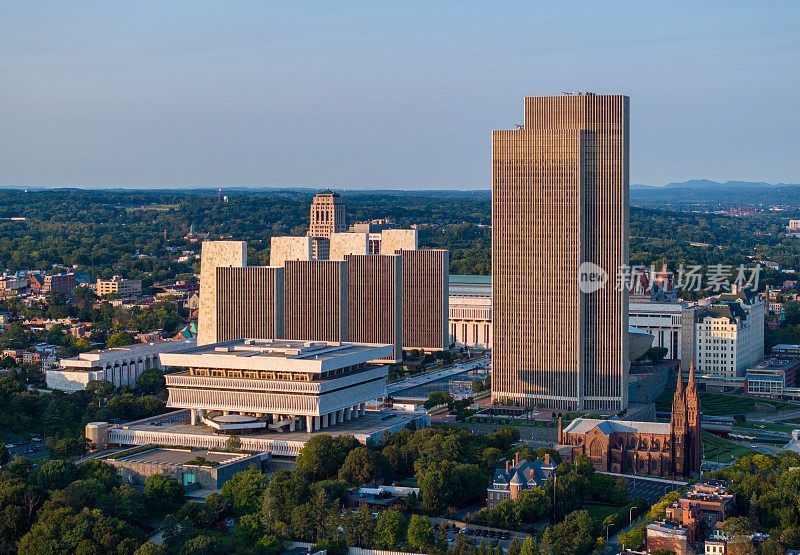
[{"x": 421, "y": 379}]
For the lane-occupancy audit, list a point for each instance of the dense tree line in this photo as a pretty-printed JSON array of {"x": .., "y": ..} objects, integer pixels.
[
  {"x": 97, "y": 229},
  {"x": 59, "y": 507},
  {"x": 60, "y": 418}
]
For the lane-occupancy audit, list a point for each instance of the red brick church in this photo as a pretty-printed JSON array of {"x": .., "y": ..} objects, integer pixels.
[{"x": 652, "y": 448}]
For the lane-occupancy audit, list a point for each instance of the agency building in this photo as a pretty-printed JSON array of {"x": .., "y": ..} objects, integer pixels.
[
  {"x": 119, "y": 365},
  {"x": 119, "y": 287},
  {"x": 470, "y": 307},
  {"x": 655, "y": 309},
  {"x": 559, "y": 200},
  {"x": 59, "y": 283},
  {"x": 372, "y": 286},
  {"x": 249, "y": 385},
  {"x": 729, "y": 334}
]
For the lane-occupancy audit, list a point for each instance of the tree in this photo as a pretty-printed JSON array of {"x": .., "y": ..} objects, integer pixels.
[
  {"x": 323, "y": 455},
  {"x": 101, "y": 389},
  {"x": 772, "y": 547},
  {"x": 270, "y": 545},
  {"x": 233, "y": 443},
  {"x": 436, "y": 398},
  {"x": 529, "y": 547},
  {"x": 163, "y": 493},
  {"x": 151, "y": 381},
  {"x": 60, "y": 530},
  {"x": 4, "y": 455},
  {"x": 170, "y": 528},
  {"x": 120, "y": 339},
  {"x": 203, "y": 545},
  {"x": 420, "y": 533},
  {"x": 390, "y": 528},
  {"x": 360, "y": 527},
  {"x": 738, "y": 526},
  {"x": 244, "y": 490},
  {"x": 149, "y": 548},
  {"x": 363, "y": 465},
  {"x": 514, "y": 547},
  {"x": 574, "y": 535},
  {"x": 790, "y": 537},
  {"x": 56, "y": 474}
]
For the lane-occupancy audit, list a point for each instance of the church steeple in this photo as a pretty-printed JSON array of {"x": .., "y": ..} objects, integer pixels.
[
  {"x": 691, "y": 386},
  {"x": 679, "y": 430},
  {"x": 693, "y": 417}
]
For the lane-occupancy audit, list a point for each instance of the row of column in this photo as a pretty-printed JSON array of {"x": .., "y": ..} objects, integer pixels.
[
  {"x": 313, "y": 423},
  {"x": 316, "y": 423}
]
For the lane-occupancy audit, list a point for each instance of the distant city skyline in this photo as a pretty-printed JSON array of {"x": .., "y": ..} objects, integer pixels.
[{"x": 381, "y": 96}]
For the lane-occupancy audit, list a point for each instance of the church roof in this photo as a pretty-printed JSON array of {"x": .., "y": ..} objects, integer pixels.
[{"x": 584, "y": 425}]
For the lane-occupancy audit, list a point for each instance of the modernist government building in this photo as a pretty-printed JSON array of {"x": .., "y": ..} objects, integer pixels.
[{"x": 303, "y": 344}]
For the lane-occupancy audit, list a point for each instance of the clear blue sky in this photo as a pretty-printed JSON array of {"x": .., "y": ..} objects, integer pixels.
[{"x": 382, "y": 94}]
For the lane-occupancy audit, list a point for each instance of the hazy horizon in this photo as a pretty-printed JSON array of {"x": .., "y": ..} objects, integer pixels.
[{"x": 357, "y": 95}]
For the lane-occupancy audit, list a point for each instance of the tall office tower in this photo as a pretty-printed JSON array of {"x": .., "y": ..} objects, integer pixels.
[
  {"x": 249, "y": 303},
  {"x": 315, "y": 300},
  {"x": 213, "y": 255},
  {"x": 559, "y": 200},
  {"x": 289, "y": 247},
  {"x": 425, "y": 292},
  {"x": 374, "y": 301},
  {"x": 327, "y": 215}
]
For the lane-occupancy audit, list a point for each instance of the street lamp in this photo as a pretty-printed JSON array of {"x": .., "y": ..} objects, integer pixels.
[
  {"x": 630, "y": 514},
  {"x": 607, "y": 527}
]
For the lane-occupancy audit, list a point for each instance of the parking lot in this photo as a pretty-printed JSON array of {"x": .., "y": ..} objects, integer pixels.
[
  {"x": 25, "y": 448},
  {"x": 479, "y": 534},
  {"x": 651, "y": 490}
]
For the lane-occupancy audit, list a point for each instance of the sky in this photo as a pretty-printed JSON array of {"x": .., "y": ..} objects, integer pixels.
[{"x": 379, "y": 94}]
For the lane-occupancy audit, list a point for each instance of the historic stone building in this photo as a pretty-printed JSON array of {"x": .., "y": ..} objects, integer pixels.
[{"x": 649, "y": 448}]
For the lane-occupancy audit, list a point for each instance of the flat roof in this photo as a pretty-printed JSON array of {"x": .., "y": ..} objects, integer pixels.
[
  {"x": 371, "y": 424},
  {"x": 161, "y": 455},
  {"x": 277, "y": 354},
  {"x": 130, "y": 350}
]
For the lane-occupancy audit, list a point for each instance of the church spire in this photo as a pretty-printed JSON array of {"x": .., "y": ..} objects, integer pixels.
[
  {"x": 679, "y": 386},
  {"x": 691, "y": 385}
]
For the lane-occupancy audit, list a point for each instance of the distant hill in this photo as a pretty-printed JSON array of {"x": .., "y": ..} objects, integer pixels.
[
  {"x": 703, "y": 194},
  {"x": 709, "y": 184}
]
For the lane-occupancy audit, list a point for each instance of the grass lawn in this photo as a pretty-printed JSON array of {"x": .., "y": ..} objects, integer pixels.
[
  {"x": 718, "y": 449},
  {"x": 717, "y": 404},
  {"x": 765, "y": 426},
  {"x": 600, "y": 512}
]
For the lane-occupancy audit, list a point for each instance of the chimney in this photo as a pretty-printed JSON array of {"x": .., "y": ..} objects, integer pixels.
[
  {"x": 507, "y": 464},
  {"x": 516, "y": 459}
]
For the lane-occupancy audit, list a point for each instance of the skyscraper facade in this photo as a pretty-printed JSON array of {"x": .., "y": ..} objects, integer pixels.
[
  {"x": 374, "y": 302},
  {"x": 560, "y": 207},
  {"x": 249, "y": 303},
  {"x": 425, "y": 286},
  {"x": 315, "y": 300}
]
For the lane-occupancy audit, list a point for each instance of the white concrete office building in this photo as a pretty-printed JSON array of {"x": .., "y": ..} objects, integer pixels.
[
  {"x": 730, "y": 335},
  {"x": 119, "y": 365},
  {"x": 251, "y": 385}
]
